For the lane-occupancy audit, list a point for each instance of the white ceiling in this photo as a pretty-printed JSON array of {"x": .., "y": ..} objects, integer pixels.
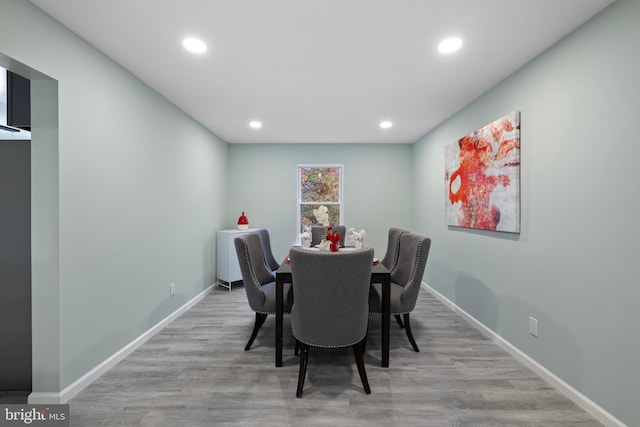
[{"x": 321, "y": 71}]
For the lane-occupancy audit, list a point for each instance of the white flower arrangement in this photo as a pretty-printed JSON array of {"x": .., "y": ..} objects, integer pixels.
[{"x": 322, "y": 215}]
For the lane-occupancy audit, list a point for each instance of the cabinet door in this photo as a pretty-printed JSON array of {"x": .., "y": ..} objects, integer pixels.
[{"x": 227, "y": 259}]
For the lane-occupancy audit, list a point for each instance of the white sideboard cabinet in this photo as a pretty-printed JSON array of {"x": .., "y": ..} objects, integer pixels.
[{"x": 227, "y": 267}]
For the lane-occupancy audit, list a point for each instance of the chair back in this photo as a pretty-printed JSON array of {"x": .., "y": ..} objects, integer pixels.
[
  {"x": 331, "y": 296},
  {"x": 269, "y": 259},
  {"x": 317, "y": 232},
  {"x": 408, "y": 272},
  {"x": 255, "y": 272},
  {"x": 393, "y": 246}
]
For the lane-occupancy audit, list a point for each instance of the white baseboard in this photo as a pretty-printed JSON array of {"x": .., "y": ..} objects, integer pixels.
[
  {"x": 44, "y": 398},
  {"x": 574, "y": 395},
  {"x": 81, "y": 383}
]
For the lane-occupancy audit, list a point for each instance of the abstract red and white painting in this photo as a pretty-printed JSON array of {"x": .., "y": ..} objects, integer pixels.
[{"x": 482, "y": 177}]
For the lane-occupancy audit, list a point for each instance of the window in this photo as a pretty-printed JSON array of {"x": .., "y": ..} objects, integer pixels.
[
  {"x": 3, "y": 96},
  {"x": 319, "y": 195},
  {"x": 15, "y": 113}
]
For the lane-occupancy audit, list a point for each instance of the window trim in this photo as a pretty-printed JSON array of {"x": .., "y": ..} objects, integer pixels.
[{"x": 299, "y": 202}]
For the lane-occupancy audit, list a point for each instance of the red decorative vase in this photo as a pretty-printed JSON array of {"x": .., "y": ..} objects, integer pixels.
[
  {"x": 333, "y": 247},
  {"x": 243, "y": 222}
]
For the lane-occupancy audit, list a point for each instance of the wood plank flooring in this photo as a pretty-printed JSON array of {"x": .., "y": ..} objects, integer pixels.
[{"x": 196, "y": 373}]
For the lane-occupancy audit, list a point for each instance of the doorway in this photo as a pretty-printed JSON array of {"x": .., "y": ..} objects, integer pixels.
[
  {"x": 44, "y": 227},
  {"x": 15, "y": 268}
]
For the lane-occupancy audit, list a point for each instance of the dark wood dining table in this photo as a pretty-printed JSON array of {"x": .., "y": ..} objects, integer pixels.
[{"x": 379, "y": 274}]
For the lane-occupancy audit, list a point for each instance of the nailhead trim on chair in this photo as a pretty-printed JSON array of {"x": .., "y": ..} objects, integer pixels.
[
  {"x": 255, "y": 280},
  {"x": 413, "y": 273},
  {"x": 253, "y": 276},
  {"x": 333, "y": 346},
  {"x": 395, "y": 257},
  {"x": 411, "y": 280}
]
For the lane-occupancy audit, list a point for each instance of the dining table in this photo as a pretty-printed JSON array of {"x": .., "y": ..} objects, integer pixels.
[{"x": 379, "y": 274}]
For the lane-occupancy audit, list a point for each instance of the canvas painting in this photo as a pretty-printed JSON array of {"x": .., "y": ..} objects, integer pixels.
[{"x": 482, "y": 177}]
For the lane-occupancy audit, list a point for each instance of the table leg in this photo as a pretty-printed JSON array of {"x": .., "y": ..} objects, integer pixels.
[
  {"x": 279, "y": 319},
  {"x": 386, "y": 319}
]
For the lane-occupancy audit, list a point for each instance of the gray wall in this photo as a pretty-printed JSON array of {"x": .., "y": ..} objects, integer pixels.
[
  {"x": 574, "y": 266},
  {"x": 377, "y": 187},
  {"x": 130, "y": 203},
  {"x": 15, "y": 265}
]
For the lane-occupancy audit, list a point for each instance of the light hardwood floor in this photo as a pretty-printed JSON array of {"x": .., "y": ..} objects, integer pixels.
[{"x": 195, "y": 373}]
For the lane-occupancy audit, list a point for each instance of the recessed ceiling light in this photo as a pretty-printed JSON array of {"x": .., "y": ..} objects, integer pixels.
[
  {"x": 450, "y": 45},
  {"x": 255, "y": 124},
  {"x": 194, "y": 45},
  {"x": 386, "y": 124}
]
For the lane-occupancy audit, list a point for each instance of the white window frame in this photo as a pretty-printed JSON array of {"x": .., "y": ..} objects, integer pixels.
[{"x": 299, "y": 203}]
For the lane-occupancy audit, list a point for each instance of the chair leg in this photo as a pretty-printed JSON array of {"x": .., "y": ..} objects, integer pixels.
[
  {"x": 407, "y": 328},
  {"x": 304, "y": 355},
  {"x": 260, "y": 318},
  {"x": 297, "y": 348},
  {"x": 358, "y": 351},
  {"x": 399, "y": 320}
]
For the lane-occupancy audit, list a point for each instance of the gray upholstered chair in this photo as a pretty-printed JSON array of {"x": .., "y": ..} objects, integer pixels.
[
  {"x": 393, "y": 244},
  {"x": 330, "y": 308},
  {"x": 391, "y": 257},
  {"x": 269, "y": 259},
  {"x": 258, "y": 281},
  {"x": 406, "y": 279},
  {"x": 318, "y": 232}
]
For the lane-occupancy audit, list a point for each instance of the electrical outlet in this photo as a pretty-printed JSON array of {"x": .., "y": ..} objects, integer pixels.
[
  {"x": 533, "y": 326},
  {"x": 172, "y": 289}
]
